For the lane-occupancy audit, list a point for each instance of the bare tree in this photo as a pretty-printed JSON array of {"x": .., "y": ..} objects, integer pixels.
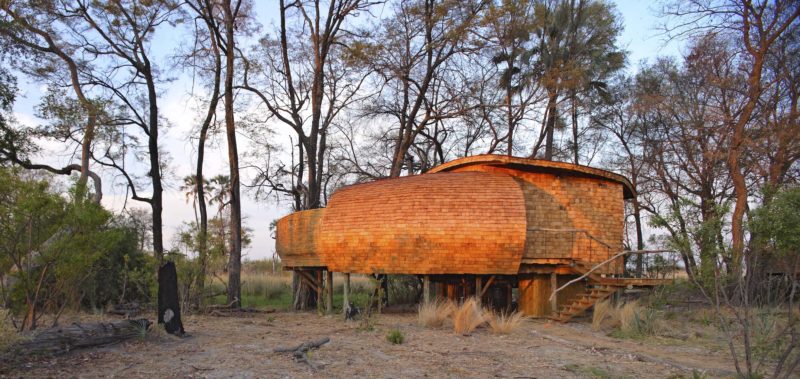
[{"x": 756, "y": 26}]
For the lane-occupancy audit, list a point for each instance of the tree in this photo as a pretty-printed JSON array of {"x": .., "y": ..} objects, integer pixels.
[
  {"x": 297, "y": 78},
  {"x": 207, "y": 42},
  {"x": 575, "y": 52},
  {"x": 507, "y": 28},
  {"x": 414, "y": 47},
  {"x": 30, "y": 32},
  {"x": 756, "y": 27}
]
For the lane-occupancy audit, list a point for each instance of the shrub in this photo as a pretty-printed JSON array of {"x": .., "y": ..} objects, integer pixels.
[
  {"x": 467, "y": 317},
  {"x": 395, "y": 336},
  {"x": 433, "y": 314},
  {"x": 8, "y": 334},
  {"x": 505, "y": 323}
]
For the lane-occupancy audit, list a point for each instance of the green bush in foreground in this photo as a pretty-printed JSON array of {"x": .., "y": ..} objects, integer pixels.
[{"x": 395, "y": 336}]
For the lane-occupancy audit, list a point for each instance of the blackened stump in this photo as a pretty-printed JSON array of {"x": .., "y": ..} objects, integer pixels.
[{"x": 169, "y": 309}]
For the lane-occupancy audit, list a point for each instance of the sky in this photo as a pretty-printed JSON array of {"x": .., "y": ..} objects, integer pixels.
[{"x": 640, "y": 38}]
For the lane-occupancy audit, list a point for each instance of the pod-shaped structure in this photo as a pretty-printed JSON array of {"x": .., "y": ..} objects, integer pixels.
[{"x": 478, "y": 215}]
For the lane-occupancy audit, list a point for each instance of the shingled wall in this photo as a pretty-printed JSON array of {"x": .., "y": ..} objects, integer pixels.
[
  {"x": 568, "y": 202},
  {"x": 295, "y": 239},
  {"x": 449, "y": 223}
]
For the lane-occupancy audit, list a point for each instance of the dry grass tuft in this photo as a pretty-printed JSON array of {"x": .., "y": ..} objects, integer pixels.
[
  {"x": 628, "y": 316},
  {"x": 468, "y": 316},
  {"x": 604, "y": 314},
  {"x": 505, "y": 323},
  {"x": 434, "y": 314}
]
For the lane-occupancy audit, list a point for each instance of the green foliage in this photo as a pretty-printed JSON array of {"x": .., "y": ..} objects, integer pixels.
[
  {"x": 62, "y": 252},
  {"x": 776, "y": 226},
  {"x": 395, "y": 336}
]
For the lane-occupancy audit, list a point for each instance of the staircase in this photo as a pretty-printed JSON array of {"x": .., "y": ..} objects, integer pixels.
[
  {"x": 583, "y": 302},
  {"x": 600, "y": 289}
]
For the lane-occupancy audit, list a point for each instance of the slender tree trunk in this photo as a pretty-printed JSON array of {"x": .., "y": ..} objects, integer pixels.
[
  {"x": 199, "y": 180},
  {"x": 235, "y": 258},
  {"x": 575, "y": 146},
  {"x": 637, "y": 215},
  {"x": 551, "y": 125},
  {"x": 156, "y": 202},
  {"x": 509, "y": 108}
]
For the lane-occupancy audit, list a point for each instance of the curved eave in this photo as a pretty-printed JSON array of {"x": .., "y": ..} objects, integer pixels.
[{"x": 537, "y": 165}]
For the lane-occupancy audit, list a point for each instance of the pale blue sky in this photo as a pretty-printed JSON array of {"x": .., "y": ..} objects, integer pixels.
[{"x": 640, "y": 37}]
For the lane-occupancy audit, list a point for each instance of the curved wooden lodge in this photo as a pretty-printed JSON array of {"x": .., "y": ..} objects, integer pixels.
[{"x": 481, "y": 225}]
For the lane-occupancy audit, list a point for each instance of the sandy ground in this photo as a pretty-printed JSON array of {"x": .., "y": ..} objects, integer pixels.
[{"x": 242, "y": 347}]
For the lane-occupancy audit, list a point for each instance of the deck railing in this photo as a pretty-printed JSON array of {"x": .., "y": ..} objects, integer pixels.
[{"x": 615, "y": 257}]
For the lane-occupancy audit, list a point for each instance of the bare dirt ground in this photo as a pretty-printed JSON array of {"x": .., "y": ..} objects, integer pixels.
[{"x": 242, "y": 346}]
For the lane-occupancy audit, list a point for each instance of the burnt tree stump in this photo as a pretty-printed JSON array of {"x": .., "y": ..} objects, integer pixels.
[{"x": 169, "y": 309}]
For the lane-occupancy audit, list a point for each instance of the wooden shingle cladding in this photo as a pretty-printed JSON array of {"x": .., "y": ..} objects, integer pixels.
[
  {"x": 450, "y": 223},
  {"x": 476, "y": 215},
  {"x": 559, "y": 204},
  {"x": 296, "y": 238}
]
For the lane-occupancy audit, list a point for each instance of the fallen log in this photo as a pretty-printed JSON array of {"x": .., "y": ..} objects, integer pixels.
[
  {"x": 64, "y": 339},
  {"x": 300, "y": 352}
]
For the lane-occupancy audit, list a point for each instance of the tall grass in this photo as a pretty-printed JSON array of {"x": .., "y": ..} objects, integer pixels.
[
  {"x": 630, "y": 320},
  {"x": 505, "y": 323},
  {"x": 603, "y": 314},
  {"x": 434, "y": 314},
  {"x": 468, "y": 316}
]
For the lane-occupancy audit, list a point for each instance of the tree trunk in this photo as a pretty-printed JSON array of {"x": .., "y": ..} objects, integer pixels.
[
  {"x": 199, "y": 180},
  {"x": 76, "y": 336},
  {"x": 551, "y": 125},
  {"x": 637, "y": 215},
  {"x": 169, "y": 304},
  {"x": 575, "y": 146},
  {"x": 235, "y": 258}
]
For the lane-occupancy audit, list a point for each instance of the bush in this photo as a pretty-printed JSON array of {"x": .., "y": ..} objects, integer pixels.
[
  {"x": 467, "y": 317},
  {"x": 8, "y": 334},
  {"x": 505, "y": 323},
  {"x": 395, "y": 336},
  {"x": 433, "y": 314}
]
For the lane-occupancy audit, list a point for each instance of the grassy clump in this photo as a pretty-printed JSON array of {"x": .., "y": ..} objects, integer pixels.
[
  {"x": 468, "y": 316},
  {"x": 505, "y": 323},
  {"x": 434, "y": 314},
  {"x": 628, "y": 320},
  {"x": 395, "y": 336},
  {"x": 604, "y": 313}
]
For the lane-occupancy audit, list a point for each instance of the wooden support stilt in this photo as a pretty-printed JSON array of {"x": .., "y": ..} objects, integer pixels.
[
  {"x": 346, "y": 293},
  {"x": 553, "y": 299},
  {"x": 426, "y": 289},
  {"x": 478, "y": 290},
  {"x": 320, "y": 285},
  {"x": 329, "y": 292}
]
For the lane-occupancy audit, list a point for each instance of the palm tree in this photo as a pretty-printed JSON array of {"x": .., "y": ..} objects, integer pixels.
[
  {"x": 190, "y": 190},
  {"x": 576, "y": 52}
]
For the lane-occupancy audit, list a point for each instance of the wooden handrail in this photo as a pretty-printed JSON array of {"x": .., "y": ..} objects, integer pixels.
[{"x": 607, "y": 261}]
